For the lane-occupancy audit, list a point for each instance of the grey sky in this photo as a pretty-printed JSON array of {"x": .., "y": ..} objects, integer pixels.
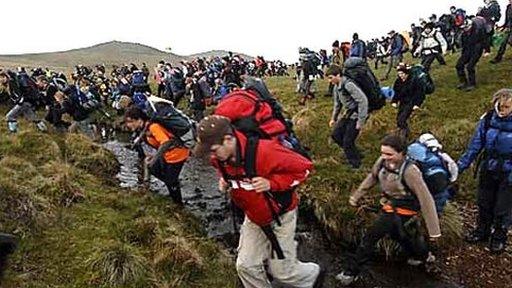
[{"x": 271, "y": 28}]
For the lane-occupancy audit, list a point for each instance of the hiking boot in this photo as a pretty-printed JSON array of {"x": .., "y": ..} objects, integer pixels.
[
  {"x": 302, "y": 101},
  {"x": 345, "y": 278},
  {"x": 469, "y": 88},
  {"x": 462, "y": 86},
  {"x": 498, "y": 240},
  {"x": 319, "y": 282},
  {"x": 477, "y": 235},
  {"x": 495, "y": 61}
]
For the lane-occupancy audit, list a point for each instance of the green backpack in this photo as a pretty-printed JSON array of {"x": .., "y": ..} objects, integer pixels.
[{"x": 418, "y": 72}]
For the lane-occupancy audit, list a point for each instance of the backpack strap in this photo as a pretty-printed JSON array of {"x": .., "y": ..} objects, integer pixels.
[{"x": 401, "y": 172}]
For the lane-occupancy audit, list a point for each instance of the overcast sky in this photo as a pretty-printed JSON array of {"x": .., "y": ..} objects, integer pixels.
[{"x": 272, "y": 28}]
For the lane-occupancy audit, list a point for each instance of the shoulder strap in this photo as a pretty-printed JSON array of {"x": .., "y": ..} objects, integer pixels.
[
  {"x": 251, "y": 149},
  {"x": 487, "y": 123},
  {"x": 401, "y": 173}
]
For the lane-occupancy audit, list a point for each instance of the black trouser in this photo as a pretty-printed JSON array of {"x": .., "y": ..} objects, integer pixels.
[
  {"x": 468, "y": 60},
  {"x": 198, "y": 115},
  {"x": 494, "y": 203},
  {"x": 380, "y": 59},
  {"x": 169, "y": 173},
  {"x": 402, "y": 229},
  {"x": 426, "y": 60},
  {"x": 504, "y": 45},
  {"x": 404, "y": 113},
  {"x": 345, "y": 134},
  {"x": 161, "y": 89}
]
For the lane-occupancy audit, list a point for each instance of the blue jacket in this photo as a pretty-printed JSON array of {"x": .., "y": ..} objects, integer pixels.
[
  {"x": 397, "y": 44},
  {"x": 357, "y": 49},
  {"x": 498, "y": 141}
]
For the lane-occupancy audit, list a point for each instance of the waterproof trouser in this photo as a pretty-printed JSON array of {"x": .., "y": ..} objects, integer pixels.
[
  {"x": 468, "y": 60},
  {"x": 345, "y": 135},
  {"x": 494, "y": 201},
  {"x": 254, "y": 251},
  {"x": 395, "y": 227},
  {"x": 169, "y": 173},
  {"x": 404, "y": 113},
  {"x": 393, "y": 62}
]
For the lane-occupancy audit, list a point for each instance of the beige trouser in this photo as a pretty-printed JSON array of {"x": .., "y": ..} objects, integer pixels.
[{"x": 254, "y": 251}]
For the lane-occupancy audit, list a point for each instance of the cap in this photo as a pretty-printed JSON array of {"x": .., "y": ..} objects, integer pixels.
[{"x": 210, "y": 131}]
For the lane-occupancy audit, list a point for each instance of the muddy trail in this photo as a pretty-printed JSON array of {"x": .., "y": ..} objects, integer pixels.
[{"x": 201, "y": 197}]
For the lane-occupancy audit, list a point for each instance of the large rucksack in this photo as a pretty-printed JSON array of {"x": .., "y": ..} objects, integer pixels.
[
  {"x": 431, "y": 164},
  {"x": 256, "y": 113},
  {"x": 180, "y": 125},
  {"x": 357, "y": 70},
  {"x": 138, "y": 79},
  {"x": 87, "y": 102},
  {"x": 420, "y": 74}
]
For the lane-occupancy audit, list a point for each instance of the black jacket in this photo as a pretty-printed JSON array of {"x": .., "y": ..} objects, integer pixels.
[{"x": 408, "y": 92}]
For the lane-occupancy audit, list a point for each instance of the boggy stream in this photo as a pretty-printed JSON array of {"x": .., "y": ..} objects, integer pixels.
[{"x": 201, "y": 197}]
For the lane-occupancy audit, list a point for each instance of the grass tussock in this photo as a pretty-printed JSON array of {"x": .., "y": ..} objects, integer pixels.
[{"x": 119, "y": 265}]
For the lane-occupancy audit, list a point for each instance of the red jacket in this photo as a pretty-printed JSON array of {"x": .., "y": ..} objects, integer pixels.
[
  {"x": 241, "y": 103},
  {"x": 284, "y": 169}
]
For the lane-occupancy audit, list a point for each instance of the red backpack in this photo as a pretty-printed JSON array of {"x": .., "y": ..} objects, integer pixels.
[{"x": 251, "y": 114}]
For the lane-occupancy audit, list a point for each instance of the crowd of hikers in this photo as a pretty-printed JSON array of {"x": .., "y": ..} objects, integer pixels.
[{"x": 261, "y": 161}]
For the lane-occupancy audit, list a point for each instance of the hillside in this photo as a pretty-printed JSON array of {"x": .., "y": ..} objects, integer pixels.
[
  {"x": 77, "y": 228},
  {"x": 109, "y": 53}
]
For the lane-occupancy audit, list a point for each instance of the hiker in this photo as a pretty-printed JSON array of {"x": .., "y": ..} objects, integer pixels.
[
  {"x": 159, "y": 77},
  {"x": 492, "y": 145},
  {"x": 416, "y": 36},
  {"x": 23, "y": 91},
  {"x": 395, "y": 51},
  {"x": 399, "y": 216},
  {"x": 200, "y": 93},
  {"x": 491, "y": 12},
  {"x": 53, "y": 114},
  {"x": 473, "y": 41},
  {"x": 409, "y": 97},
  {"x": 507, "y": 26},
  {"x": 309, "y": 63},
  {"x": 78, "y": 102},
  {"x": 380, "y": 54},
  {"x": 358, "y": 47},
  {"x": 263, "y": 185},
  {"x": 336, "y": 59},
  {"x": 432, "y": 45},
  {"x": 347, "y": 94},
  {"x": 167, "y": 162}
]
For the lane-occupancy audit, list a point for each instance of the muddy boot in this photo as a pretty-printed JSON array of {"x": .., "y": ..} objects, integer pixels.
[
  {"x": 463, "y": 83},
  {"x": 498, "y": 240},
  {"x": 480, "y": 234},
  {"x": 302, "y": 101}
]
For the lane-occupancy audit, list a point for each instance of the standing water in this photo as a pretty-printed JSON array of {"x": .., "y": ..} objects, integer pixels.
[{"x": 202, "y": 198}]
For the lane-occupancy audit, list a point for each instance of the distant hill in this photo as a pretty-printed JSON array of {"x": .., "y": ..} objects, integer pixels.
[
  {"x": 108, "y": 53},
  {"x": 219, "y": 53}
]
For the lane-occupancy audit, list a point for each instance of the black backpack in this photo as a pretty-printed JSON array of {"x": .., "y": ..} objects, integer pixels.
[
  {"x": 172, "y": 119},
  {"x": 357, "y": 70}
]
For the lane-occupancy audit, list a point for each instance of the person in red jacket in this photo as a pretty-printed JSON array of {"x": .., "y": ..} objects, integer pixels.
[
  {"x": 268, "y": 198},
  {"x": 167, "y": 162}
]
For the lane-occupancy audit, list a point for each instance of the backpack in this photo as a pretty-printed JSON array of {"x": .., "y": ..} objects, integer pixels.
[
  {"x": 432, "y": 166},
  {"x": 256, "y": 113},
  {"x": 357, "y": 70},
  {"x": 180, "y": 125},
  {"x": 138, "y": 79},
  {"x": 419, "y": 73},
  {"x": 86, "y": 101},
  {"x": 405, "y": 42}
]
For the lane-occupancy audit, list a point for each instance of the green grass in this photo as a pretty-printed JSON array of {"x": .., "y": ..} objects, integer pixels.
[{"x": 77, "y": 229}]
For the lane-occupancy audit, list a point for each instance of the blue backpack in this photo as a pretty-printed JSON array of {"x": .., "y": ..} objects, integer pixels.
[
  {"x": 431, "y": 164},
  {"x": 139, "y": 99},
  {"x": 138, "y": 79}
]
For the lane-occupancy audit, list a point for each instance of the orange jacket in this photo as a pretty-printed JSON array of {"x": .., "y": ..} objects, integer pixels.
[{"x": 158, "y": 136}]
